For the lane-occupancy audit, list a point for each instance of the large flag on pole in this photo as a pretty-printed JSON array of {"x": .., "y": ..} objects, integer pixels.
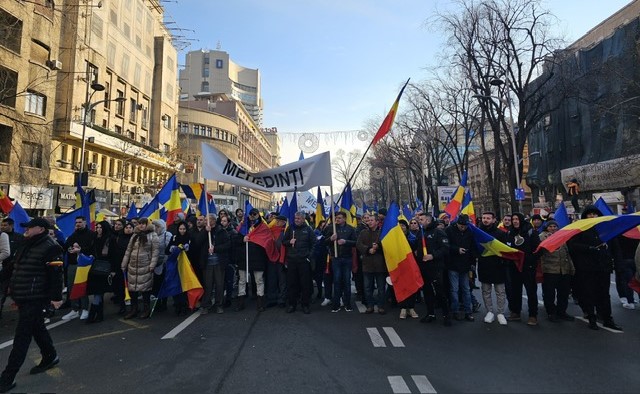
[
  {"x": 79, "y": 288},
  {"x": 19, "y": 216},
  {"x": 401, "y": 264},
  {"x": 303, "y": 174},
  {"x": 348, "y": 207},
  {"x": 467, "y": 207},
  {"x": 319, "y": 208},
  {"x": 169, "y": 199},
  {"x": 388, "y": 120},
  {"x": 5, "y": 203}
]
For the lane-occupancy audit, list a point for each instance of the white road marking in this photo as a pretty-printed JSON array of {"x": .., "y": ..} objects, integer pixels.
[
  {"x": 172, "y": 334},
  {"x": 49, "y": 327},
  {"x": 376, "y": 338},
  {"x": 539, "y": 302},
  {"x": 361, "y": 307},
  {"x": 398, "y": 385},
  {"x": 424, "y": 386},
  {"x": 599, "y": 325},
  {"x": 393, "y": 337}
]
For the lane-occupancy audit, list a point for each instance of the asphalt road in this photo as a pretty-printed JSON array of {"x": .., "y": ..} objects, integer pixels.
[{"x": 324, "y": 352}]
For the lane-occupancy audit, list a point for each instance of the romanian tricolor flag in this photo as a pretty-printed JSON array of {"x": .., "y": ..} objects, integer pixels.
[
  {"x": 150, "y": 210},
  {"x": 401, "y": 264},
  {"x": 192, "y": 190},
  {"x": 388, "y": 120},
  {"x": 489, "y": 246},
  {"x": 5, "y": 203},
  {"x": 467, "y": 207},
  {"x": 348, "y": 207},
  {"x": 262, "y": 235},
  {"x": 453, "y": 207},
  {"x": 206, "y": 203},
  {"x": 169, "y": 198},
  {"x": 79, "y": 288},
  {"x": 319, "y": 208},
  {"x": 180, "y": 278},
  {"x": 607, "y": 227}
]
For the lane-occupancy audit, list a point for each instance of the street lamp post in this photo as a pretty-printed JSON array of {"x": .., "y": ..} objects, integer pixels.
[{"x": 88, "y": 107}]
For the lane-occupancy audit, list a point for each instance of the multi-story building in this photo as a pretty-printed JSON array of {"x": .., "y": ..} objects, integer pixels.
[
  {"x": 271, "y": 134},
  {"x": 117, "y": 102},
  {"x": 212, "y": 71},
  {"x": 29, "y": 42},
  {"x": 226, "y": 125}
]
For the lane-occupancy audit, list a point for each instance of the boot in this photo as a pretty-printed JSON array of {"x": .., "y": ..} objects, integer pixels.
[
  {"x": 99, "y": 312},
  {"x": 240, "y": 303},
  {"x": 609, "y": 323},
  {"x": 260, "y": 303},
  {"x": 123, "y": 309},
  {"x": 132, "y": 313},
  {"x": 593, "y": 322},
  {"x": 93, "y": 311},
  {"x": 146, "y": 312}
]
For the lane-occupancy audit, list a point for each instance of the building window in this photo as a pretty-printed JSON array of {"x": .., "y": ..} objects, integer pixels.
[
  {"x": 35, "y": 103},
  {"x": 133, "y": 110},
  {"x": 145, "y": 116},
  {"x": 167, "y": 149},
  {"x": 205, "y": 86},
  {"x": 120, "y": 105},
  {"x": 118, "y": 129},
  {"x": 107, "y": 89},
  {"x": 205, "y": 72},
  {"x": 143, "y": 140},
  {"x": 32, "y": 154},
  {"x": 8, "y": 87},
  {"x": 92, "y": 72},
  {"x": 209, "y": 132},
  {"x": 218, "y": 63},
  {"x": 205, "y": 59},
  {"x": 196, "y": 129},
  {"x": 166, "y": 121},
  {"x": 10, "y": 31},
  {"x": 6, "y": 136},
  {"x": 103, "y": 165}
]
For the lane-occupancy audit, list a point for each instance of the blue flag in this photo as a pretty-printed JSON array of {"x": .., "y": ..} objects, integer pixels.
[
  {"x": 561, "y": 216},
  {"x": 133, "y": 211},
  {"x": 67, "y": 222},
  {"x": 603, "y": 207},
  {"x": 244, "y": 229},
  {"x": 406, "y": 211},
  {"x": 293, "y": 206},
  {"x": 19, "y": 216}
]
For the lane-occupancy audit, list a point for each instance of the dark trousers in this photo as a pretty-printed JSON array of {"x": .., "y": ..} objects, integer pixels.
[
  {"x": 625, "y": 269},
  {"x": 146, "y": 298},
  {"x": 214, "y": 281},
  {"x": 555, "y": 293},
  {"x": 318, "y": 272},
  {"x": 299, "y": 283},
  {"x": 433, "y": 291},
  {"x": 594, "y": 293},
  {"x": 276, "y": 290},
  {"x": 358, "y": 277},
  {"x": 229, "y": 281},
  {"x": 526, "y": 278},
  {"x": 30, "y": 325}
]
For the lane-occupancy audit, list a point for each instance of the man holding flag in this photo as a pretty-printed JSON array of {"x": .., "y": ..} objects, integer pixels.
[
  {"x": 81, "y": 241},
  {"x": 345, "y": 238}
]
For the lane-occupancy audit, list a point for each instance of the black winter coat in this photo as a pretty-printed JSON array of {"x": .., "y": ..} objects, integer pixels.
[
  {"x": 529, "y": 245},
  {"x": 33, "y": 278},
  {"x": 305, "y": 241},
  {"x": 117, "y": 248},
  {"x": 457, "y": 262},
  {"x": 585, "y": 254},
  {"x": 492, "y": 269},
  {"x": 345, "y": 232},
  {"x": 85, "y": 239},
  {"x": 437, "y": 245}
]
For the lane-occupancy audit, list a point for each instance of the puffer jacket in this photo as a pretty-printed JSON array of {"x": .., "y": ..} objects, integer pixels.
[
  {"x": 305, "y": 241},
  {"x": 437, "y": 245},
  {"x": 558, "y": 262},
  {"x": 530, "y": 242},
  {"x": 140, "y": 260},
  {"x": 33, "y": 278},
  {"x": 373, "y": 263}
]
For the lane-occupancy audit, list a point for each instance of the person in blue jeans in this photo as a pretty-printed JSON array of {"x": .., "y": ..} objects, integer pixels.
[
  {"x": 345, "y": 239},
  {"x": 462, "y": 254}
]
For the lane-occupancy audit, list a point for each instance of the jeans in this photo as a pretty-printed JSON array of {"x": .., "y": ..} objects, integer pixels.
[
  {"x": 625, "y": 269},
  {"x": 30, "y": 325},
  {"x": 380, "y": 280},
  {"x": 460, "y": 281},
  {"x": 341, "y": 281}
]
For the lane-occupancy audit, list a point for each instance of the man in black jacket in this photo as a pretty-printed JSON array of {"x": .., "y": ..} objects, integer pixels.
[
  {"x": 462, "y": 254},
  {"x": 36, "y": 283},
  {"x": 345, "y": 238},
  {"x": 431, "y": 248},
  {"x": 81, "y": 241},
  {"x": 299, "y": 240}
]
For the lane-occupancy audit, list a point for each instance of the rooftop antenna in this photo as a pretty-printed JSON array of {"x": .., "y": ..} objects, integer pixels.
[{"x": 218, "y": 45}]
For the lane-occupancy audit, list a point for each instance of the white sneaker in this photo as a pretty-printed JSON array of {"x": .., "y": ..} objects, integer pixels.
[
  {"x": 326, "y": 302},
  {"x": 502, "y": 320},
  {"x": 84, "y": 315},
  {"x": 47, "y": 320},
  {"x": 489, "y": 317},
  {"x": 623, "y": 300},
  {"x": 413, "y": 313},
  {"x": 71, "y": 315},
  {"x": 403, "y": 313},
  {"x": 629, "y": 306}
]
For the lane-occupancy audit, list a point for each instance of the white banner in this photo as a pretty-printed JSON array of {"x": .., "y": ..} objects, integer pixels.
[
  {"x": 303, "y": 174},
  {"x": 306, "y": 201}
]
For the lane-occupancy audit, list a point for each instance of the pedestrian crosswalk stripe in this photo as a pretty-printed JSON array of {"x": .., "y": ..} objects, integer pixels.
[
  {"x": 393, "y": 337},
  {"x": 361, "y": 307},
  {"x": 49, "y": 327},
  {"x": 599, "y": 325},
  {"x": 376, "y": 338},
  {"x": 398, "y": 385},
  {"x": 423, "y": 384},
  {"x": 172, "y": 334}
]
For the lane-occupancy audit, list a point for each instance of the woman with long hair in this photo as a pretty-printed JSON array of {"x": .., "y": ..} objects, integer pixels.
[
  {"x": 98, "y": 284},
  {"x": 139, "y": 261},
  {"x": 181, "y": 240},
  {"x": 120, "y": 238}
]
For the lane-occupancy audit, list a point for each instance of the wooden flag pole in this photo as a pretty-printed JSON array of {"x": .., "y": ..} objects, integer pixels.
[{"x": 333, "y": 223}]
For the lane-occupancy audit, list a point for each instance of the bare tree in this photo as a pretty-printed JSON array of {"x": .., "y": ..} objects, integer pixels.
[{"x": 344, "y": 166}]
